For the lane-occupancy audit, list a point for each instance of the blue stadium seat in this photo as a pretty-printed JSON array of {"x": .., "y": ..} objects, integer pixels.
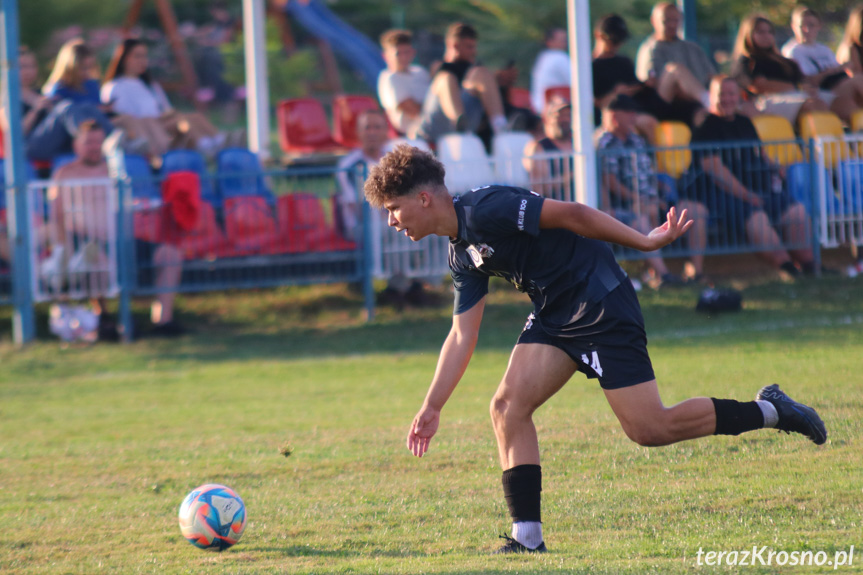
[
  {"x": 239, "y": 173},
  {"x": 851, "y": 187},
  {"x": 143, "y": 181},
  {"x": 191, "y": 161}
]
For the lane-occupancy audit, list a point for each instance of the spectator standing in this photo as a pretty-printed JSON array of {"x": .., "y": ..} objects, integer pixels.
[
  {"x": 402, "y": 86},
  {"x": 552, "y": 67},
  {"x": 463, "y": 96},
  {"x": 664, "y": 47},
  {"x": 739, "y": 186}
]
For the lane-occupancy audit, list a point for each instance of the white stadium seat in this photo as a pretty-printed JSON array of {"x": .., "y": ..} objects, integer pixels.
[
  {"x": 508, "y": 156},
  {"x": 467, "y": 165}
]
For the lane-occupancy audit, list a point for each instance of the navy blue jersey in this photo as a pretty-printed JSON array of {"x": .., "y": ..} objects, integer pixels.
[{"x": 564, "y": 274}]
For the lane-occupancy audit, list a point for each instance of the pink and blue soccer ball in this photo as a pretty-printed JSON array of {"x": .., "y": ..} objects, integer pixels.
[{"x": 212, "y": 517}]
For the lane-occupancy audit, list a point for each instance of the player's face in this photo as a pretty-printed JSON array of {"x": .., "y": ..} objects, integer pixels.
[{"x": 405, "y": 214}]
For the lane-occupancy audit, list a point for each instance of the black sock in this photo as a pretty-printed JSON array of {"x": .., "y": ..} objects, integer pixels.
[
  {"x": 734, "y": 417},
  {"x": 522, "y": 486}
]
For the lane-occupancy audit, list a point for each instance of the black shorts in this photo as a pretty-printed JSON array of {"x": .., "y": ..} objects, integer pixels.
[{"x": 610, "y": 345}]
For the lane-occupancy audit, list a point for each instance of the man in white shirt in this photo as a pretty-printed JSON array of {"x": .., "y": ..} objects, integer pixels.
[
  {"x": 552, "y": 67},
  {"x": 402, "y": 86}
]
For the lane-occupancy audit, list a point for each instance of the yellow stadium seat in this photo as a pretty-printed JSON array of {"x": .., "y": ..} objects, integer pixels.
[
  {"x": 857, "y": 121},
  {"x": 673, "y": 135},
  {"x": 778, "y": 129},
  {"x": 826, "y": 125}
]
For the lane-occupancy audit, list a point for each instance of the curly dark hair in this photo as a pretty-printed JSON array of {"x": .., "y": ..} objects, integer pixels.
[{"x": 401, "y": 172}]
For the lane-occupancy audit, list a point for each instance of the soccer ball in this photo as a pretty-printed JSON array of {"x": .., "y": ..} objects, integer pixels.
[{"x": 212, "y": 517}]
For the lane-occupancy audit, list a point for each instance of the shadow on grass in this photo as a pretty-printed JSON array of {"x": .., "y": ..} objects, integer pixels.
[{"x": 327, "y": 321}]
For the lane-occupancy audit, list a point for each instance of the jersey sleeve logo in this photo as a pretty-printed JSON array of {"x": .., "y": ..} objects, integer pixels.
[{"x": 479, "y": 253}]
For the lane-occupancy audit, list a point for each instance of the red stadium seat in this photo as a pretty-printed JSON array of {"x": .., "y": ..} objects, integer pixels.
[
  {"x": 304, "y": 227},
  {"x": 206, "y": 240},
  {"x": 303, "y": 127},
  {"x": 562, "y": 91},
  {"x": 346, "y": 110},
  {"x": 250, "y": 227},
  {"x": 519, "y": 97}
]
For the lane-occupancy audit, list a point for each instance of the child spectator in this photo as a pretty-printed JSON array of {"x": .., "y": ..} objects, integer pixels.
[{"x": 402, "y": 86}]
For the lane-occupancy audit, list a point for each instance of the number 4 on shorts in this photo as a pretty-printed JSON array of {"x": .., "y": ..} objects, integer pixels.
[{"x": 593, "y": 362}]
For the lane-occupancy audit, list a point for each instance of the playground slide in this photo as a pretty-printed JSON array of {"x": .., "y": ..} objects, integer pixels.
[{"x": 362, "y": 54}]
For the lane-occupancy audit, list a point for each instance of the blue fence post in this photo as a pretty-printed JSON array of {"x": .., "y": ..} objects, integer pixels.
[
  {"x": 23, "y": 324},
  {"x": 815, "y": 179},
  {"x": 368, "y": 257}
]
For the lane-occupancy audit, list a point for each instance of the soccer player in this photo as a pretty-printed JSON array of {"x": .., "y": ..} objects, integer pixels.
[{"x": 586, "y": 318}]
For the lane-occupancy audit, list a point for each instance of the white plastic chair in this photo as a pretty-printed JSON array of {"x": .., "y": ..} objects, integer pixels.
[
  {"x": 508, "y": 153},
  {"x": 467, "y": 165}
]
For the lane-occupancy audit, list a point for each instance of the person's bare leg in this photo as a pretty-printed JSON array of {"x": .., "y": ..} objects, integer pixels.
[
  {"x": 168, "y": 261},
  {"x": 676, "y": 81},
  {"x": 697, "y": 235},
  {"x": 446, "y": 88},
  {"x": 481, "y": 82},
  {"x": 760, "y": 232},
  {"x": 646, "y": 421},
  {"x": 796, "y": 232},
  {"x": 534, "y": 374}
]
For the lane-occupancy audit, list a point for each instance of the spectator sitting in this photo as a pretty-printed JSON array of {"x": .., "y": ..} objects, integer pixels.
[
  {"x": 676, "y": 95},
  {"x": 819, "y": 64},
  {"x": 630, "y": 190},
  {"x": 549, "y": 159},
  {"x": 372, "y": 132},
  {"x": 75, "y": 79},
  {"x": 740, "y": 186},
  {"x": 552, "y": 67},
  {"x": 129, "y": 89},
  {"x": 462, "y": 94},
  {"x": 402, "y": 86},
  {"x": 666, "y": 47},
  {"x": 777, "y": 82},
  {"x": 90, "y": 231},
  {"x": 850, "y": 51}
]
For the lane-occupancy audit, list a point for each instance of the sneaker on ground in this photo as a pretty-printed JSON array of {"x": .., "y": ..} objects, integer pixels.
[
  {"x": 513, "y": 546},
  {"x": 794, "y": 416}
]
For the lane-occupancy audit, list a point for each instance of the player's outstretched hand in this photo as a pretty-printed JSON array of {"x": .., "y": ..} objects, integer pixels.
[
  {"x": 674, "y": 227},
  {"x": 423, "y": 428}
]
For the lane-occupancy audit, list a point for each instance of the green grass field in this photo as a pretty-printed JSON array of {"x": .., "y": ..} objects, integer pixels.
[{"x": 99, "y": 445}]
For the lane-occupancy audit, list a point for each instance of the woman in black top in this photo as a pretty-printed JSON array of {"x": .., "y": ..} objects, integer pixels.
[
  {"x": 777, "y": 82},
  {"x": 675, "y": 95}
]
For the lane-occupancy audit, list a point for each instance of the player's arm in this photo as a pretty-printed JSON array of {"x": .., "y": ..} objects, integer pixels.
[
  {"x": 452, "y": 363},
  {"x": 591, "y": 223}
]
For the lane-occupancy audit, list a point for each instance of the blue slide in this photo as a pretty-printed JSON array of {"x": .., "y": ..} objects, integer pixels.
[{"x": 362, "y": 54}]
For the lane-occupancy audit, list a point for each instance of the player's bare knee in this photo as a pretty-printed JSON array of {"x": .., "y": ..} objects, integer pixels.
[{"x": 647, "y": 434}]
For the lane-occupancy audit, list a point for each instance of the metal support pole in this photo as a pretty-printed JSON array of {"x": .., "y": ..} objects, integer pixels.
[
  {"x": 23, "y": 323},
  {"x": 578, "y": 16},
  {"x": 257, "y": 87}
]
